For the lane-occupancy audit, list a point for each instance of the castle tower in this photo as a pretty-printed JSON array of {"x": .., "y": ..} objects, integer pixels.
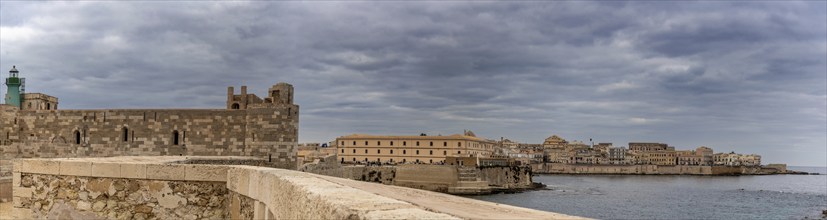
[
  {"x": 281, "y": 93},
  {"x": 13, "y": 82}
]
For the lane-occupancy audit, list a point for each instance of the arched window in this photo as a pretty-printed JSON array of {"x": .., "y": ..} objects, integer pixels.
[
  {"x": 459, "y": 152},
  {"x": 445, "y": 152},
  {"x": 404, "y": 160},
  {"x": 430, "y": 161},
  {"x": 445, "y": 144},
  {"x": 235, "y": 106},
  {"x": 417, "y": 143},
  {"x": 125, "y": 134},
  {"x": 378, "y": 143},
  {"x": 391, "y": 143},
  {"x": 354, "y": 143},
  {"x": 343, "y": 150},
  {"x": 391, "y": 151},
  {"x": 175, "y": 137},
  {"x": 378, "y": 151},
  {"x": 343, "y": 159},
  {"x": 431, "y": 152},
  {"x": 354, "y": 151},
  {"x": 48, "y": 106},
  {"x": 459, "y": 144},
  {"x": 404, "y": 143},
  {"x": 432, "y": 143},
  {"x": 366, "y": 143},
  {"x": 354, "y": 159},
  {"x": 343, "y": 143},
  {"x": 77, "y": 137},
  {"x": 366, "y": 150},
  {"x": 417, "y": 152},
  {"x": 404, "y": 151}
]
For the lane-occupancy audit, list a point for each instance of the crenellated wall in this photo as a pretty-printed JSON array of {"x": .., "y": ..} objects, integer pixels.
[{"x": 266, "y": 129}]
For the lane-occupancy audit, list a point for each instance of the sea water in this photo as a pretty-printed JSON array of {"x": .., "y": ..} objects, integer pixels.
[{"x": 678, "y": 197}]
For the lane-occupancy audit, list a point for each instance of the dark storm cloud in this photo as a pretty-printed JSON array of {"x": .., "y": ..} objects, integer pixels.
[{"x": 743, "y": 76}]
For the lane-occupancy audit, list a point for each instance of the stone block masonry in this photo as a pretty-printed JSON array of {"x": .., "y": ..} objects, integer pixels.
[
  {"x": 208, "y": 188},
  {"x": 265, "y": 128}
]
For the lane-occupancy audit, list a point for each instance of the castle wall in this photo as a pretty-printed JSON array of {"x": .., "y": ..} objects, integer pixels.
[{"x": 263, "y": 130}]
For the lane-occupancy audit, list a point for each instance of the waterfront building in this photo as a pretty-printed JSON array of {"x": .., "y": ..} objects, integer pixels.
[
  {"x": 555, "y": 142},
  {"x": 631, "y": 158},
  {"x": 750, "y": 160},
  {"x": 660, "y": 157},
  {"x": 558, "y": 155},
  {"x": 733, "y": 159},
  {"x": 640, "y": 146},
  {"x": 689, "y": 157},
  {"x": 706, "y": 155},
  {"x": 411, "y": 149},
  {"x": 603, "y": 147},
  {"x": 617, "y": 155},
  {"x": 587, "y": 156}
]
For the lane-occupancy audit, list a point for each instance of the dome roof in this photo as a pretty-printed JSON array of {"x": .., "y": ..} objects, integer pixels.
[{"x": 13, "y": 69}]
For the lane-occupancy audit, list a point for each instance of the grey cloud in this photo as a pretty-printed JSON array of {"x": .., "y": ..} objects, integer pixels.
[{"x": 734, "y": 76}]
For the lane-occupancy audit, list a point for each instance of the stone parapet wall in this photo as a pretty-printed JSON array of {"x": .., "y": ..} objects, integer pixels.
[
  {"x": 172, "y": 188},
  {"x": 118, "y": 188}
]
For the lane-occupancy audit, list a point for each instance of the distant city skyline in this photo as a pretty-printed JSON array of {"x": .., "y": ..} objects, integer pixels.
[{"x": 749, "y": 77}]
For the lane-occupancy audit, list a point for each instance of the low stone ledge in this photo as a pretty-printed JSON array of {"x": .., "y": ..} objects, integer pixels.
[
  {"x": 37, "y": 166},
  {"x": 166, "y": 171},
  {"x": 75, "y": 168},
  {"x": 205, "y": 173},
  {"x": 133, "y": 170},
  {"x": 105, "y": 170}
]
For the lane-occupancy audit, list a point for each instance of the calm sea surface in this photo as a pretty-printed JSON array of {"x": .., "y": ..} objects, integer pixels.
[{"x": 678, "y": 197}]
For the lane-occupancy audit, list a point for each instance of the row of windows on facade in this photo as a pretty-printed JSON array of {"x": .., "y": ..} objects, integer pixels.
[
  {"x": 391, "y": 160},
  {"x": 430, "y": 152},
  {"x": 176, "y": 136},
  {"x": 405, "y": 143}
]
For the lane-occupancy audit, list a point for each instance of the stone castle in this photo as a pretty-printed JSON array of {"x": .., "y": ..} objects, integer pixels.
[{"x": 32, "y": 126}]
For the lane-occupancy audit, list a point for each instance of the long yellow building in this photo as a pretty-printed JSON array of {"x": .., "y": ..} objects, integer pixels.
[{"x": 410, "y": 149}]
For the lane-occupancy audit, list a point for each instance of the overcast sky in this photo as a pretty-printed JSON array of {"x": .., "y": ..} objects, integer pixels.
[{"x": 749, "y": 77}]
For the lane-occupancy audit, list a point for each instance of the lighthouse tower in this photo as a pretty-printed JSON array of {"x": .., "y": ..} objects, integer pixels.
[{"x": 14, "y": 83}]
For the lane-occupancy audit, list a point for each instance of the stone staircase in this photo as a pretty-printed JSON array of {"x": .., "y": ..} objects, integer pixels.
[{"x": 469, "y": 182}]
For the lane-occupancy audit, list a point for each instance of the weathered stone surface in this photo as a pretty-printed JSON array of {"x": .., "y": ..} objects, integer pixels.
[
  {"x": 26, "y": 181},
  {"x": 98, "y": 206},
  {"x": 84, "y": 205},
  {"x": 106, "y": 170},
  {"x": 76, "y": 168},
  {"x": 112, "y": 197},
  {"x": 143, "y": 209}
]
